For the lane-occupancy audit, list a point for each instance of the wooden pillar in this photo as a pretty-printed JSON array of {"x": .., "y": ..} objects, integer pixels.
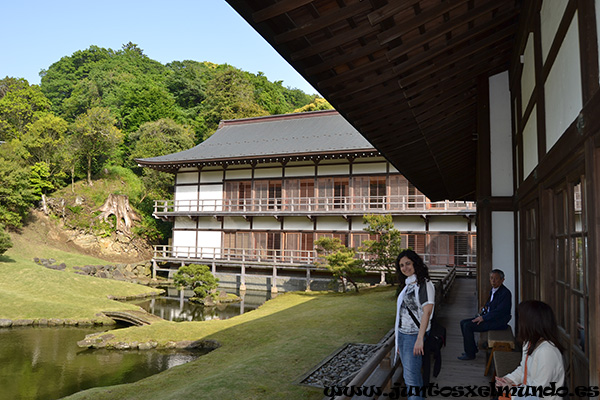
[
  {"x": 243, "y": 278},
  {"x": 483, "y": 190},
  {"x": 274, "y": 280}
]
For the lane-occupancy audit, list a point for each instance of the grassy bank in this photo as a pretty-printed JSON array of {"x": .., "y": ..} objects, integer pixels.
[
  {"x": 31, "y": 291},
  {"x": 263, "y": 352}
]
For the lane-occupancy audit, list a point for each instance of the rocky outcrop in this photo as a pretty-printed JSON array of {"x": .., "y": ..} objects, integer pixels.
[{"x": 136, "y": 272}]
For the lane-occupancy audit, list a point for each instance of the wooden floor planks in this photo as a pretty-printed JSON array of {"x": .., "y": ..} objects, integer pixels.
[{"x": 460, "y": 303}]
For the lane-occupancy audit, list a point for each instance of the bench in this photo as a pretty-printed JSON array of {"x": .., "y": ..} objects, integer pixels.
[
  {"x": 501, "y": 340},
  {"x": 506, "y": 362}
]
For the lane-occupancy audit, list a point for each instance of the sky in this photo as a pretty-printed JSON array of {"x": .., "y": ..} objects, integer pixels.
[{"x": 34, "y": 34}]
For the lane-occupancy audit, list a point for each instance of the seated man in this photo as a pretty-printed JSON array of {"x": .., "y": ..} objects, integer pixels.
[{"x": 493, "y": 316}]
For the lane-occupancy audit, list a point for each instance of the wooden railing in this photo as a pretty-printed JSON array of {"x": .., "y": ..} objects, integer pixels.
[
  {"x": 379, "y": 370},
  {"x": 273, "y": 256},
  {"x": 358, "y": 204}
]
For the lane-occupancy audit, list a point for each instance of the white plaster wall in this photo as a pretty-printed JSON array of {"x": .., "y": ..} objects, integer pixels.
[
  {"x": 448, "y": 224},
  {"x": 211, "y": 176},
  {"x": 357, "y": 224},
  {"x": 550, "y": 16},
  {"x": 563, "y": 87},
  {"x": 300, "y": 171},
  {"x": 528, "y": 74},
  {"x": 209, "y": 223},
  {"x": 265, "y": 223},
  {"x": 186, "y": 198},
  {"x": 503, "y": 251},
  {"x": 235, "y": 223},
  {"x": 393, "y": 169},
  {"x": 267, "y": 173},
  {"x": 331, "y": 224},
  {"x": 530, "y": 156},
  {"x": 211, "y": 197},
  {"x": 409, "y": 223},
  {"x": 184, "y": 223},
  {"x": 209, "y": 242},
  {"x": 374, "y": 168},
  {"x": 500, "y": 135},
  {"x": 187, "y": 177},
  {"x": 297, "y": 224},
  {"x": 183, "y": 243},
  {"x": 239, "y": 173},
  {"x": 333, "y": 170}
]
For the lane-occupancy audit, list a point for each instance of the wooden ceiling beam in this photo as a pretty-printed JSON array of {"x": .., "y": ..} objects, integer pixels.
[
  {"x": 353, "y": 34},
  {"x": 483, "y": 29},
  {"x": 355, "y": 73},
  {"x": 397, "y": 30},
  {"x": 368, "y": 82},
  {"x": 330, "y": 63},
  {"x": 456, "y": 61},
  {"x": 277, "y": 9},
  {"x": 324, "y": 21},
  {"x": 366, "y": 98},
  {"x": 466, "y": 74},
  {"x": 390, "y": 10},
  {"x": 446, "y": 27}
]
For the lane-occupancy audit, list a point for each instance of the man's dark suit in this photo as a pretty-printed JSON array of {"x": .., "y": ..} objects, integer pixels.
[{"x": 496, "y": 318}]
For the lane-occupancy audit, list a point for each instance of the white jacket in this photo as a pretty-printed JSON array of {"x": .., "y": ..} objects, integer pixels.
[{"x": 544, "y": 365}]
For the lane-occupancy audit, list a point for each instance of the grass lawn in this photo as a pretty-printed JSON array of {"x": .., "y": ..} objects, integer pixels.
[
  {"x": 31, "y": 291},
  {"x": 263, "y": 352}
]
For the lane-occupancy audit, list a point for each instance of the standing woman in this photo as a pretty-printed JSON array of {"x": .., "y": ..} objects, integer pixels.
[
  {"x": 542, "y": 361},
  {"x": 414, "y": 311}
]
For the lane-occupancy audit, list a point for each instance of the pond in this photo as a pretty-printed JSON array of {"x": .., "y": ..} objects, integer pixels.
[
  {"x": 175, "y": 307},
  {"x": 46, "y": 363}
]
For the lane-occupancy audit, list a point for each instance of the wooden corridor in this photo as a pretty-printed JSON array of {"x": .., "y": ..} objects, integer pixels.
[{"x": 460, "y": 303}]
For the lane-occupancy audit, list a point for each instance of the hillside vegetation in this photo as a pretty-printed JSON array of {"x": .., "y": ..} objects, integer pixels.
[{"x": 99, "y": 109}]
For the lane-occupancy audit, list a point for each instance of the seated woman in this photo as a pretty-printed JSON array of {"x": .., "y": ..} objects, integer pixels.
[{"x": 542, "y": 361}]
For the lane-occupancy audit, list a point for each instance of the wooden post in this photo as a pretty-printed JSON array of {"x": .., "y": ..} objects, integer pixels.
[
  {"x": 243, "y": 278},
  {"x": 274, "y": 280},
  {"x": 153, "y": 269},
  {"x": 308, "y": 279}
]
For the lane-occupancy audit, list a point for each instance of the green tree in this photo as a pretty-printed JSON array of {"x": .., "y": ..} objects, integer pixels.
[
  {"x": 20, "y": 104},
  {"x": 152, "y": 139},
  {"x": 229, "y": 95},
  {"x": 198, "y": 278},
  {"x": 60, "y": 79},
  {"x": 319, "y": 103},
  {"x": 45, "y": 142},
  {"x": 385, "y": 246},
  {"x": 16, "y": 193},
  {"x": 5, "y": 242},
  {"x": 339, "y": 260},
  {"x": 39, "y": 179},
  {"x": 95, "y": 137}
]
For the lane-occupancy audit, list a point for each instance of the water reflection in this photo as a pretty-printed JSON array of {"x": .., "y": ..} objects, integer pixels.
[
  {"x": 46, "y": 363},
  {"x": 174, "y": 306}
]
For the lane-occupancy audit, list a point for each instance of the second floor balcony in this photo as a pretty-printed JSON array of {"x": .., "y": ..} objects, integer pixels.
[{"x": 311, "y": 206}]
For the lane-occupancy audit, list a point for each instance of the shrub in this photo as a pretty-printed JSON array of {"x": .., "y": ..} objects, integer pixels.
[
  {"x": 198, "y": 278},
  {"x": 5, "y": 242}
]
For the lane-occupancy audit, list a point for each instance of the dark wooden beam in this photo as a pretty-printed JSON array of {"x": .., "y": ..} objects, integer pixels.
[{"x": 277, "y": 9}]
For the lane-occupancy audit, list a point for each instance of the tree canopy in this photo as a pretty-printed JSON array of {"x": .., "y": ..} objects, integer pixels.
[{"x": 98, "y": 109}]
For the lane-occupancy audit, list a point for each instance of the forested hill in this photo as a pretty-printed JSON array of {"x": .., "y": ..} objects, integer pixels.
[{"x": 101, "y": 108}]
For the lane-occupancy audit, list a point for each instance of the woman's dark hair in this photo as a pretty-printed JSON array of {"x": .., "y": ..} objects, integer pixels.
[
  {"x": 537, "y": 321},
  {"x": 420, "y": 268}
]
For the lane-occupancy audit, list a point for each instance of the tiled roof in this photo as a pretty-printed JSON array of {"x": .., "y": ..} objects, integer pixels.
[{"x": 273, "y": 136}]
